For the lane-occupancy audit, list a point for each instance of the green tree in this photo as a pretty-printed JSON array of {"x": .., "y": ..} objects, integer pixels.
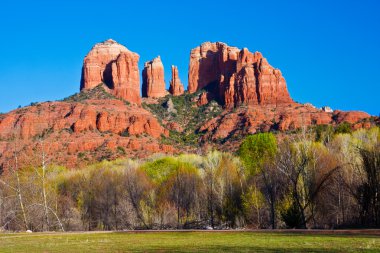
[
  {"x": 230, "y": 179},
  {"x": 343, "y": 128},
  {"x": 181, "y": 189},
  {"x": 257, "y": 152},
  {"x": 256, "y": 149},
  {"x": 324, "y": 133},
  {"x": 369, "y": 191}
]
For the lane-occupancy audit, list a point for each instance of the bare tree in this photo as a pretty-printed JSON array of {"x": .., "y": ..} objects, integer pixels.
[
  {"x": 369, "y": 192},
  {"x": 17, "y": 188},
  {"x": 137, "y": 187},
  {"x": 274, "y": 187},
  {"x": 42, "y": 175},
  {"x": 211, "y": 163},
  {"x": 306, "y": 176}
]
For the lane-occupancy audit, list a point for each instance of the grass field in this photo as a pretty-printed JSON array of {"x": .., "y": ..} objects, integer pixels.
[{"x": 187, "y": 242}]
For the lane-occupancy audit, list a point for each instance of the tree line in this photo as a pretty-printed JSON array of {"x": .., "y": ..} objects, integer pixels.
[{"x": 319, "y": 178}]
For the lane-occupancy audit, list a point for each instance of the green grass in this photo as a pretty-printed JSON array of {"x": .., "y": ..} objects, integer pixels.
[{"x": 187, "y": 242}]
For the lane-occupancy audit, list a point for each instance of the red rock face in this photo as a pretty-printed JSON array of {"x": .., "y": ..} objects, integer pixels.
[
  {"x": 350, "y": 116},
  {"x": 114, "y": 65},
  {"x": 236, "y": 76},
  {"x": 125, "y": 77},
  {"x": 251, "y": 119},
  {"x": 154, "y": 79},
  {"x": 203, "y": 99},
  {"x": 101, "y": 115},
  {"x": 69, "y": 128},
  {"x": 209, "y": 64},
  {"x": 176, "y": 86}
]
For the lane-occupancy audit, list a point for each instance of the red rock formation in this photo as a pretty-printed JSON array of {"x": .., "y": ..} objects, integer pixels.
[
  {"x": 114, "y": 65},
  {"x": 69, "y": 128},
  {"x": 236, "y": 76},
  {"x": 203, "y": 99},
  {"x": 95, "y": 126},
  {"x": 99, "y": 126},
  {"x": 111, "y": 116},
  {"x": 350, "y": 116},
  {"x": 174, "y": 126},
  {"x": 209, "y": 64},
  {"x": 125, "y": 77},
  {"x": 176, "y": 86},
  {"x": 250, "y": 119},
  {"x": 154, "y": 79}
]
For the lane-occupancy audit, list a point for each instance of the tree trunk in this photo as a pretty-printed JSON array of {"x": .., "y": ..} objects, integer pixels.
[
  {"x": 46, "y": 211},
  {"x": 19, "y": 195}
]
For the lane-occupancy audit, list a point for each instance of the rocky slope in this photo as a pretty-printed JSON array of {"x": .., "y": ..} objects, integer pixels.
[
  {"x": 200, "y": 125},
  {"x": 231, "y": 93}
]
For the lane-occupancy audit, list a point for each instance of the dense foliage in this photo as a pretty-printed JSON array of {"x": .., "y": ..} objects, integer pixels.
[{"x": 312, "y": 179}]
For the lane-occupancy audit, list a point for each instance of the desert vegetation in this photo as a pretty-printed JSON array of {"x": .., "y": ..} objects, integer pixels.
[{"x": 315, "y": 178}]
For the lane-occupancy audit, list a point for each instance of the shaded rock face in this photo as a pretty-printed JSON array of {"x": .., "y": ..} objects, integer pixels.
[
  {"x": 207, "y": 62},
  {"x": 176, "y": 87},
  {"x": 236, "y": 76},
  {"x": 115, "y": 66},
  {"x": 153, "y": 79}
]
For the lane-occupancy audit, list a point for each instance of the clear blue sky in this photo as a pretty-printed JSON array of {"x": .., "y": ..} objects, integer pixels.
[{"x": 328, "y": 51}]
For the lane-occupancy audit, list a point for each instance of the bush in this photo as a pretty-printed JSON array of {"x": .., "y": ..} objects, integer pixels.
[
  {"x": 343, "y": 128},
  {"x": 255, "y": 149}
]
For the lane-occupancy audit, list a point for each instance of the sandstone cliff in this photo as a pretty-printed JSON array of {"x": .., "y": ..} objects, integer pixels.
[
  {"x": 236, "y": 76},
  {"x": 115, "y": 66},
  {"x": 264, "y": 118},
  {"x": 153, "y": 79},
  {"x": 176, "y": 87},
  {"x": 94, "y": 128}
]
